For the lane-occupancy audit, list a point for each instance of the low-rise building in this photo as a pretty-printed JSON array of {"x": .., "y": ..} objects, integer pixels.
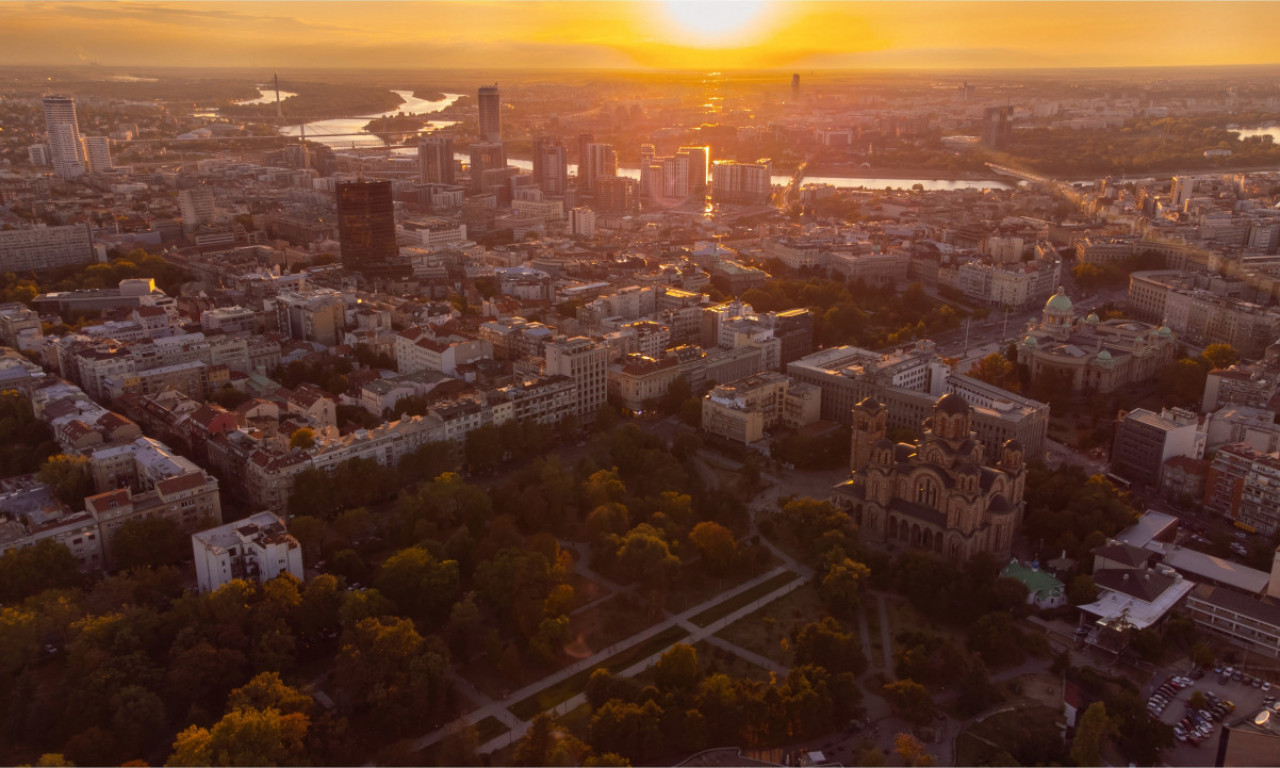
[
  {"x": 257, "y": 548},
  {"x": 742, "y": 410}
]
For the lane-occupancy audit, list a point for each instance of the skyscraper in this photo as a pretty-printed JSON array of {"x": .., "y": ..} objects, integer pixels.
[
  {"x": 490, "y": 114},
  {"x": 598, "y": 160},
  {"x": 367, "y": 229},
  {"x": 550, "y": 165},
  {"x": 486, "y": 156},
  {"x": 97, "y": 150},
  {"x": 435, "y": 159},
  {"x": 795, "y": 87},
  {"x": 698, "y": 165},
  {"x": 647, "y": 154},
  {"x": 65, "y": 146}
]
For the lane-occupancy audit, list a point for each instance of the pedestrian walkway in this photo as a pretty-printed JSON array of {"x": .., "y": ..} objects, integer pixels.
[
  {"x": 751, "y": 656},
  {"x": 499, "y": 709}
]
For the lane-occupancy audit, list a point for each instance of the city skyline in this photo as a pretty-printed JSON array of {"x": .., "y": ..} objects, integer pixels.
[{"x": 733, "y": 34}]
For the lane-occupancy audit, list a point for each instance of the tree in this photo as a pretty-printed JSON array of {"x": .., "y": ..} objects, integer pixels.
[
  {"x": 827, "y": 645},
  {"x": 1221, "y": 355},
  {"x": 995, "y": 369},
  {"x": 1201, "y": 654},
  {"x": 268, "y": 691},
  {"x": 151, "y": 542},
  {"x": 716, "y": 544},
  {"x": 647, "y": 559},
  {"x": 389, "y": 670},
  {"x": 677, "y": 668},
  {"x": 1082, "y": 590},
  {"x": 244, "y": 737},
  {"x": 535, "y": 747},
  {"x": 911, "y": 751},
  {"x": 421, "y": 585},
  {"x": 909, "y": 700},
  {"x": 302, "y": 439},
  {"x": 1094, "y": 726},
  {"x": 29, "y": 570},
  {"x": 842, "y": 587},
  {"x": 68, "y": 476}
]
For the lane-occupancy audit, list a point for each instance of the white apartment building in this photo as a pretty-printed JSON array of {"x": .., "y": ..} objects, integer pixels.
[
  {"x": 66, "y": 147},
  {"x": 257, "y": 548}
]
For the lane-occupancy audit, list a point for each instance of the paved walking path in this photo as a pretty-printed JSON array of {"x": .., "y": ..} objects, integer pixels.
[
  {"x": 885, "y": 635},
  {"x": 499, "y": 709},
  {"x": 751, "y": 656}
]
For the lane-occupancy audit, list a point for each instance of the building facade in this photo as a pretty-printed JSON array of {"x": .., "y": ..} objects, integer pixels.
[{"x": 938, "y": 494}]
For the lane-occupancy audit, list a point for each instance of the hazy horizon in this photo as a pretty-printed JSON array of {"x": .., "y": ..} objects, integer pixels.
[{"x": 731, "y": 35}]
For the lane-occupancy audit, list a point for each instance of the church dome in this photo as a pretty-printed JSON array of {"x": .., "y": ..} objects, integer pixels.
[
  {"x": 1058, "y": 302},
  {"x": 1104, "y": 356},
  {"x": 1030, "y": 341},
  {"x": 952, "y": 403},
  {"x": 1093, "y": 318},
  {"x": 1164, "y": 332}
]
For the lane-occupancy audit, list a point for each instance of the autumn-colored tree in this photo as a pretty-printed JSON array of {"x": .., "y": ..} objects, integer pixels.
[
  {"x": 677, "y": 668},
  {"x": 842, "y": 587},
  {"x": 716, "y": 544},
  {"x": 1221, "y": 355},
  {"x": 244, "y": 737},
  {"x": 302, "y": 438},
  {"x": 995, "y": 369},
  {"x": 909, "y": 700},
  {"x": 911, "y": 751}
]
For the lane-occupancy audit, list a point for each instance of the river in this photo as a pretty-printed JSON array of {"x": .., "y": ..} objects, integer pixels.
[
  {"x": 323, "y": 131},
  {"x": 268, "y": 96},
  {"x": 845, "y": 182},
  {"x": 1248, "y": 133}
]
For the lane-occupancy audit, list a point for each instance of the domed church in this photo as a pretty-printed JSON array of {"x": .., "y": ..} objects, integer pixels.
[
  {"x": 939, "y": 493},
  {"x": 1090, "y": 353}
]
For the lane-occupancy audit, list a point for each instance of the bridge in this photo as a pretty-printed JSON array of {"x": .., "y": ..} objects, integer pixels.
[
  {"x": 792, "y": 191},
  {"x": 1018, "y": 173}
]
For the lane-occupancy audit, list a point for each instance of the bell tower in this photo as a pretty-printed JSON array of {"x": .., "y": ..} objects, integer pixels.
[{"x": 869, "y": 417}]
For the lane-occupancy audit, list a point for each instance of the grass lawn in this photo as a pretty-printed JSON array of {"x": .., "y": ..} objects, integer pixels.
[
  {"x": 489, "y": 728},
  {"x": 1029, "y": 734},
  {"x": 903, "y": 617},
  {"x": 694, "y": 585},
  {"x": 714, "y": 660},
  {"x": 763, "y": 631},
  {"x": 576, "y": 721},
  {"x": 719, "y": 611},
  {"x": 566, "y": 689},
  {"x": 590, "y": 631}
]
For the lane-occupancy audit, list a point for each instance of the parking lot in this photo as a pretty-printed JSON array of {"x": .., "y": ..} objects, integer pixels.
[{"x": 1246, "y": 698}]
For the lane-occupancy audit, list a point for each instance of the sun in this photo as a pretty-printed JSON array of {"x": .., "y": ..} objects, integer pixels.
[{"x": 715, "y": 23}]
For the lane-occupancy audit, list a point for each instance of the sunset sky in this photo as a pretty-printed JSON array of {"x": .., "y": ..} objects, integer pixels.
[{"x": 640, "y": 35}]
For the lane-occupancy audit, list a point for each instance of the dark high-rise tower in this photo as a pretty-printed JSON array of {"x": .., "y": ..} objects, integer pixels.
[
  {"x": 367, "y": 229},
  {"x": 485, "y": 157},
  {"x": 550, "y": 165},
  {"x": 435, "y": 159},
  {"x": 795, "y": 87},
  {"x": 490, "y": 114}
]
